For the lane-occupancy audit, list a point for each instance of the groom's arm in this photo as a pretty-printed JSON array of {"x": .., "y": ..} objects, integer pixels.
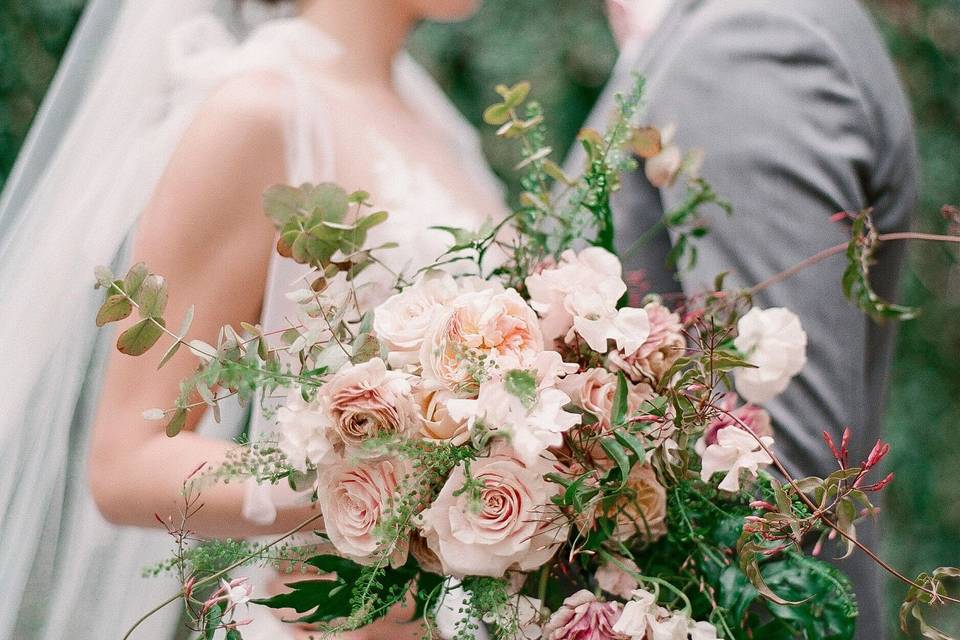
[{"x": 790, "y": 139}]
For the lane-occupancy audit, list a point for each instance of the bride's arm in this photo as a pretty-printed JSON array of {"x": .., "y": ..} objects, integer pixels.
[{"x": 204, "y": 230}]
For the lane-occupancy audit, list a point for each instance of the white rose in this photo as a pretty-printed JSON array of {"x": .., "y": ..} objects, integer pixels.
[
  {"x": 511, "y": 524},
  {"x": 774, "y": 342},
  {"x": 403, "y": 320}
]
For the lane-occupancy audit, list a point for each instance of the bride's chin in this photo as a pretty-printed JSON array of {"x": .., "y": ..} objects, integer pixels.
[{"x": 445, "y": 10}]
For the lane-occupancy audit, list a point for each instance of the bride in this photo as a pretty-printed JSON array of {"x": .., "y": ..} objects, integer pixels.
[{"x": 181, "y": 129}]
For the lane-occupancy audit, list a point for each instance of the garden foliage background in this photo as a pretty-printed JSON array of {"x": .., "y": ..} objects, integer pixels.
[{"x": 565, "y": 49}]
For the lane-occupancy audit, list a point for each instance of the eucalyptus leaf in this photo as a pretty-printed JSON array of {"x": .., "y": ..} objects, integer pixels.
[
  {"x": 177, "y": 423},
  {"x": 152, "y": 297},
  {"x": 139, "y": 338},
  {"x": 116, "y": 307},
  {"x": 134, "y": 280}
]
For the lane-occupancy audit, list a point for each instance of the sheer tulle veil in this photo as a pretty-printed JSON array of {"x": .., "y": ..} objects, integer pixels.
[
  {"x": 70, "y": 203},
  {"x": 104, "y": 135}
]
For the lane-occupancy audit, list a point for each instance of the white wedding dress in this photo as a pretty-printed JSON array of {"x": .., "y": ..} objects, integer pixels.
[{"x": 66, "y": 572}]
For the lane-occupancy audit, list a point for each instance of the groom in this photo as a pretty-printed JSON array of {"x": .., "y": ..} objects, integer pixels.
[{"x": 800, "y": 113}]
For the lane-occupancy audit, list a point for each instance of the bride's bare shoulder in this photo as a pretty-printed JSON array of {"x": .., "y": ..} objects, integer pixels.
[{"x": 254, "y": 98}]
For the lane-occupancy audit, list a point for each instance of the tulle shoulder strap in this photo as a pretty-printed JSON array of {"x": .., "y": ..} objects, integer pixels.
[{"x": 203, "y": 53}]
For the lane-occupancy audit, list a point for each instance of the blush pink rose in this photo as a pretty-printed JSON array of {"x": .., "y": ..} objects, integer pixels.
[
  {"x": 367, "y": 400},
  {"x": 510, "y": 524},
  {"x": 354, "y": 499},
  {"x": 583, "y": 617}
]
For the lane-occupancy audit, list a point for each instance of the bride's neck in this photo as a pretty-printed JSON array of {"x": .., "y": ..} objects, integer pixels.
[{"x": 371, "y": 32}]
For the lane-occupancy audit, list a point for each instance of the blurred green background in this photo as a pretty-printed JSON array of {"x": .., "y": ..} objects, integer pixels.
[{"x": 565, "y": 49}]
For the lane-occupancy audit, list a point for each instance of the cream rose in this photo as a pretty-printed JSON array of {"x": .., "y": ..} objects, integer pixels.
[
  {"x": 642, "y": 509},
  {"x": 774, "y": 342},
  {"x": 511, "y": 524},
  {"x": 491, "y": 326},
  {"x": 435, "y": 420},
  {"x": 403, "y": 320},
  {"x": 354, "y": 499}
]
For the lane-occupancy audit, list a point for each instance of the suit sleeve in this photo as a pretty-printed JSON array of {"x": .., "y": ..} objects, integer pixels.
[{"x": 788, "y": 142}]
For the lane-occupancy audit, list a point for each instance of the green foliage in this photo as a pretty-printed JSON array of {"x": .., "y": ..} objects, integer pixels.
[
  {"x": 933, "y": 589},
  {"x": 864, "y": 242},
  {"x": 313, "y": 224},
  {"x": 704, "y": 528},
  {"x": 328, "y": 599}
]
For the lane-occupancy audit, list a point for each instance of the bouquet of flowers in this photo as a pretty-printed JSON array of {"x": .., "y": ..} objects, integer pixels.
[{"x": 508, "y": 439}]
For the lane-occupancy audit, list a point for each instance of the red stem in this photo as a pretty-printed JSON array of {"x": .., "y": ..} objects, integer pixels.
[{"x": 840, "y": 248}]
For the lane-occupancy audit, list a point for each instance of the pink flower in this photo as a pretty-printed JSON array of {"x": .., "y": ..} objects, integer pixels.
[
  {"x": 509, "y": 523},
  {"x": 435, "y": 420},
  {"x": 360, "y": 402},
  {"x": 594, "y": 390},
  {"x": 354, "y": 500},
  {"x": 580, "y": 296},
  {"x": 366, "y": 400},
  {"x": 403, "y": 320},
  {"x": 616, "y": 581},
  {"x": 663, "y": 347},
  {"x": 533, "y": 423},
  {"x": 755, "y": 418},
  {"x": 477, "y": 330},
  {"x": 735, "y": 450},
  {"x": 583, "y": 617}
]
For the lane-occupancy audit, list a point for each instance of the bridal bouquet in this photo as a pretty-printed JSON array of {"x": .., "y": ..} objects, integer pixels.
[{"x": 509, "y": 439}]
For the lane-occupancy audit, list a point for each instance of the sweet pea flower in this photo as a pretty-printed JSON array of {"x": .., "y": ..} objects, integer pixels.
[
  {"x": 519, "y": 406},
  {"x": 735, "y": 449},
  {"x": 580, "y": 296},
  {"x": 775, "y": 343},
  {"x": 237, "y": 591}
]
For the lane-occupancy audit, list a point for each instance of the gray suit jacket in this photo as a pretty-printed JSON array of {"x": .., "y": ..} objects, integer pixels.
[{"x": 801, "y": 115}]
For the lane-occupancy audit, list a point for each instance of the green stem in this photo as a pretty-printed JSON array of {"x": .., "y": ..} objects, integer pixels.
[{"x": 218, "y": 574}]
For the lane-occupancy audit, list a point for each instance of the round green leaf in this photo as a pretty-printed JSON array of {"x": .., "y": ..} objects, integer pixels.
[
  {"x": 153, "y": 297},
  {"x": 139, "y": 338},
  {"x": 116, "y": 307}
]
